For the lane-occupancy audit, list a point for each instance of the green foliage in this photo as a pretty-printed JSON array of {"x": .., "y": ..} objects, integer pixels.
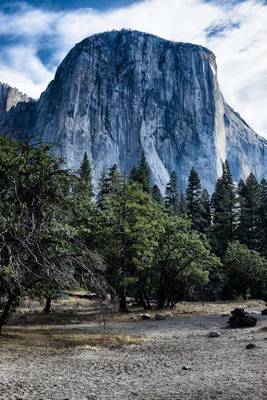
[
  {"x": 224, "y": 210},
  {"x": 129, "y": 233},
  {"x": 249, "y": 220},
  {"x": 111, "y": 182},
  {"x": 193, "y": 198},
  {"x": 85, "y": 185},
  {"x": 263, "y": 217},
  {"x": 156, "y": 195},
  {"x": 54, "y": 235},
  {"x": 245, "y": 272},
  {"x": 39, "y": 245},
  {"x": 172, "y": 198},
  {"x": 141, "y": 174},
  {"x": 205, "y": 213},
  {"x": 184, "y": 261}
]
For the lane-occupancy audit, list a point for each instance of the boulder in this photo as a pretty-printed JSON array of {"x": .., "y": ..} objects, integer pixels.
[
  {"x": 241, "y": 319},
  {"x": 264, "y": 312},
  {"x": 214, "y": 334},
  {"x": 185, "y": 368},
  {"x": 251, "y": 346}
]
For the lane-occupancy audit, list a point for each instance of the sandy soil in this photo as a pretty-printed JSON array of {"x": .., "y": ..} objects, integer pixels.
[{"x": 218, "y": 368}]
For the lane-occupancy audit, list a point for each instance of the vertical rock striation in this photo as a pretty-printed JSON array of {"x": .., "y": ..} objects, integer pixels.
[{"x": 121, "y": 92}]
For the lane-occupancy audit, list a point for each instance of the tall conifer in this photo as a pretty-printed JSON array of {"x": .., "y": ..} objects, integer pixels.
[
  {"x": 172, "y": 197},
  {"x": 224, "y": 210},
  {"x": 193, "y": 198}
]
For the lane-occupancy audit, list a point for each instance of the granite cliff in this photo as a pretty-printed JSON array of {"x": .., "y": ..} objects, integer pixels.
[{"x": 121, "y": 92}]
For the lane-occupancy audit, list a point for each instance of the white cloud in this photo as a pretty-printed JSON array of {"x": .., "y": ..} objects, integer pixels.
[
  {"x": 241, "y": 52},
  {"x": 20, "y": 67}
]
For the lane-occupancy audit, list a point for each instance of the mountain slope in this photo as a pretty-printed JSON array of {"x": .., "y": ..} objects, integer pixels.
[{"x": 117, "y": 93}]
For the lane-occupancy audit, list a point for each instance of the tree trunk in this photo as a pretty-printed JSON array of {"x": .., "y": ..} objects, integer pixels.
[
  {"x": 123, "y": 302},
  {"x": 142, "y": 300},
  {"x": 162, "y": 290},
  {"x": 148, "y": 305},
  {"x": 47, "y": 307},
  {"x": 6, "y": 311}
]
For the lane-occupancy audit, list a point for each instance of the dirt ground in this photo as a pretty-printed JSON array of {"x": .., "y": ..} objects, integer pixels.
[{"x": 134, "y": 359}]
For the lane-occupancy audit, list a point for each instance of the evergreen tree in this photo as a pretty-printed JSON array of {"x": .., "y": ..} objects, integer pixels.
[
  {"x": 193, "y": 199},
  {"x": 249, "y": 206},
  {"x": 205, "y": 212},
  {"x": 263, "y": 218},
  {"x": 128, "y": 240},
  {"x": 111, "y": 182},
  {"x": 182, "y": 207},
  {"x": 172, "y": 197},
  {"x": 115, "y": 180},
  {"x": 103, "y": 187},
  {"x": 40, "y": 248},
  {"x": 224, "y": 210},
  {"x": 156, "y": 194},
  {"x": 245, "y": 272},
  {"x": 141, "y": 174},
  {"x": 85, "y": 185},
  {"x": 183, "y": 261}
]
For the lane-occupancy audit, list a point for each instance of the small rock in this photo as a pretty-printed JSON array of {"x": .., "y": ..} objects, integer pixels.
[
  {"x": 214, "y": 334},
  {"x": 160, "y": 317},
  {"x": 146, "y": 317},
  {"x": 251, "y": 346},
  {"x": 264, "y": 312},
  {"x": 185, "y": 368}
]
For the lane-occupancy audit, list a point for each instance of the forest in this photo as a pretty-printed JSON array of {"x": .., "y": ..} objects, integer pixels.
[{"x": 123, "y": 238}]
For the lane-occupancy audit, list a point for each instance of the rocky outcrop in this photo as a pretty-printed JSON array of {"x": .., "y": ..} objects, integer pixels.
[
  {"x": 118, "y": 93},
  {"x": 17, "y": 111}
]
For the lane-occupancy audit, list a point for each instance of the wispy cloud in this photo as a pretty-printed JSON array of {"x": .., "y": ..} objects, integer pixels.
[{"x": 33, "y": 41}]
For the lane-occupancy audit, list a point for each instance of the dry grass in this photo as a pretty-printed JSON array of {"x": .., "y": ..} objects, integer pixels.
[
  {"x": 197, "y": 308},
  {"x": 59, "y": 339},
  {"x": 193, "y": 308}
]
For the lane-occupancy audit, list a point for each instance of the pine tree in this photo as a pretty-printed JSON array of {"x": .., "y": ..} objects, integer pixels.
[
  {"x": 85, "y": 173},
  {"x": 193, "y": 198},
  {"x": 224, "y": 210},
  {"x": 172, "y": 196},
  {"x": 205, "y": 212},
  {"x": 249, "y": 221},
  {"x": 104, "y": 186},
  {"x": 111, "y": 182},
  {"x": 263, "y": 217},
  {"x": 156, "y": 194},
  {"x": 115, "y": 180},
  {"x": 141, "y": 174},
  {"x": 182, "y": 207}
]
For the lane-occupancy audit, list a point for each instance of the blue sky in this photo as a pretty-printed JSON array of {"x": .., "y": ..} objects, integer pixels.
[{"x": 35, "y": 35}]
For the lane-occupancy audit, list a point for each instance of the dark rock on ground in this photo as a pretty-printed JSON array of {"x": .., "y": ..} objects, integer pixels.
[
  {"x": 185, "y": 368},
  {"x": 214, "y": 334},
  {"x": 251, "y": 346},
  {"x": 146, "y": 317},
  {"x": 241, "y": 319}
]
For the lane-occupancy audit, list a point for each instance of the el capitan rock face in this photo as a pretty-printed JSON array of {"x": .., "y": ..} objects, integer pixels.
[{"x": 117, "y": 93}]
